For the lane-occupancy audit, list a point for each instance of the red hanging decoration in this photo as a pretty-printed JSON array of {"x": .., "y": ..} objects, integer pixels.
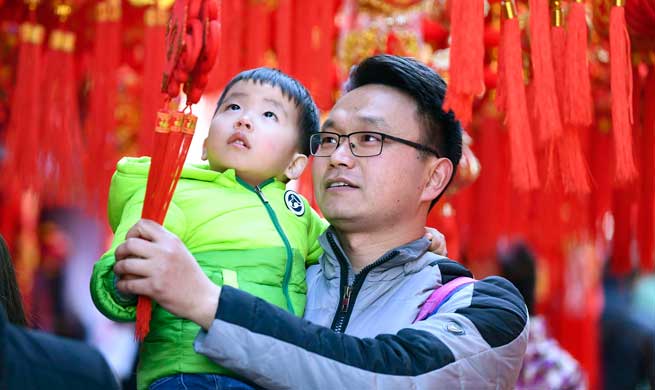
[
  {"x": 154, "y": 46},
  {"x": 511, "y": 100},
  {"x": 547, "y": 107},
  {"x": 61, "y": 137},
  {"x": 621, "y": 85},
  {"x": 19, "y": 169},
  {"x": 101, "y": 122},
  {"x": 466, "y": 57},
  {"x": 578, "y": 107},
  {"x": 572, "y": 165},
  {"x": 193, "y": 36},
  {"x": 20, "y": 164}
]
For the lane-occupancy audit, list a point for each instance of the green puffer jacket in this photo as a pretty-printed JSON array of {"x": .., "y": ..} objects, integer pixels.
[{"x": 241, "y": 235}]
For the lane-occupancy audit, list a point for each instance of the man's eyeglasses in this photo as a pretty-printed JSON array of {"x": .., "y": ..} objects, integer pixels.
[{"x": 362, "y": 143}]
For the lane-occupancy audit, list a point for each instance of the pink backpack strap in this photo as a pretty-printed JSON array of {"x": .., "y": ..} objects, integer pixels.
[{"x": 440, "y": 295}]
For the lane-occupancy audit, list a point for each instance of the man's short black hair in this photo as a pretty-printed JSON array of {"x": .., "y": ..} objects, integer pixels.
[
  {"x": 308, "y": 118},
  {"x": 440, "y": 129}
]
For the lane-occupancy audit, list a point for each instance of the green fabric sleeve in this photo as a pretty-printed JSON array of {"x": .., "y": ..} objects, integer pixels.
[
  {"x": 106, "y": 297},
  {"x": 317, "y": 226}
]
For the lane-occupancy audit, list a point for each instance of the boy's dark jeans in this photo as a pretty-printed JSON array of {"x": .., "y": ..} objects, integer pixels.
[{"x": 199, "y": 381}]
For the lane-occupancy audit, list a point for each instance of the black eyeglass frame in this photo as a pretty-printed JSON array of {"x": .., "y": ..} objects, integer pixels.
[{"x": 383, "y": 136}]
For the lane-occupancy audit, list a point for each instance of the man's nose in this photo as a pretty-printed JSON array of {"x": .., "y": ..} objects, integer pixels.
[
  {"x": 342, "y": 155},
  {"x": 243, "y": 122}
]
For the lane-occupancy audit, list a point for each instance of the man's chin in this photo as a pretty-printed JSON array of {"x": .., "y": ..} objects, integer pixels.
[{"x": 340, "y": 215}]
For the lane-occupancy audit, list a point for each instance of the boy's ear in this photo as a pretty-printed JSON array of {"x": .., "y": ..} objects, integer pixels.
[
  {"x": 203, "y": 156},
  {"x": 296, "y": 166}
]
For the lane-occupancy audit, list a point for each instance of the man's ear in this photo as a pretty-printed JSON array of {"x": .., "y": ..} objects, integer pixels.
[
  {"x": 296, "y": 166},
  {"x": 203, "y": 156},
  {"x": 439, "y": 172}
]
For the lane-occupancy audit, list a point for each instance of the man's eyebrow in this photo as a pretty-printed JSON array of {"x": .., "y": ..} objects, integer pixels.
[
  {"x": 328, "y": 124},
  {"x": 376, "y": 121},
  {"x": 277, "y": 105}
]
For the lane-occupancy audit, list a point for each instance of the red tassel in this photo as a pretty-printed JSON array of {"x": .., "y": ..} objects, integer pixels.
[
  {"x": 22, "y": 142},
  {"x": 621, "y": 84},
  {"x": 646, "y": 223},
  {"x": 511, "y": 100},
  {"x": 578, "y": 107},
  {"x": 151, "y": 209},
  {"x": 154, "y": 59},
  {"x": 572, "y": 164},
  {"x": 195, "y": 54},
  {"x": 546, "y": 103},
  {"x": 143, "y": 317},
  {"x": 466, "y": 58},
  {"x": 61, "y": 126},
  {"x": 101, "y": 123}
]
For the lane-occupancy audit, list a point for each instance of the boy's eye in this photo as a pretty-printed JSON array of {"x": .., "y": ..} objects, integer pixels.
[
  {"x": 233, "y": 107},
  {"x": 269, "y": 114}
]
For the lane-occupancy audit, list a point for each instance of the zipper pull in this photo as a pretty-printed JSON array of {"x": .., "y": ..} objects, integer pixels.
[
  {"x": 261, "y": 194},
  {"x": 345, "y": 301}
]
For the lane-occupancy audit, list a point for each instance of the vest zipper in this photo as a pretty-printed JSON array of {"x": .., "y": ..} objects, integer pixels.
[
  {"x": 289, "y": 264},
  {"x": 348, "y": 292}
]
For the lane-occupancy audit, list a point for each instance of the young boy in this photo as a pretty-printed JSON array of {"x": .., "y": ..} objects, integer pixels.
[{"x": 233, "y": 213}]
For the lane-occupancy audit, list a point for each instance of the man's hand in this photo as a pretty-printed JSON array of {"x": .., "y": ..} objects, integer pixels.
[
  {"x": 437, "y": 241},
  {"x": 154, "y": 262}
]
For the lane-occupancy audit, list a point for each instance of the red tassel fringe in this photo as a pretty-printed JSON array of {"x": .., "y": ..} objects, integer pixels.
[
  {"x": 578, "y": 106},
  {"x": 143, "y": 317},
  {"x": 61, "y": 138},
  {"x": 101, "y": 124},
  {"x": 466, "y": 58},
  {"x": 511, "y": 100},
  {"x": 621, "y": 84},
  {"x": 153, "y": 67},
  {"x": 547, "y": 109},
  {"x": 572, "y": 164},
  {"x": 23, "y": 130}
]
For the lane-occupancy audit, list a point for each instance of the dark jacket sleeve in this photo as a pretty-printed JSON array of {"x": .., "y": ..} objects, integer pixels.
[
  {"x": 477, "y": 342},
  {"x": 36, "y": 360}
]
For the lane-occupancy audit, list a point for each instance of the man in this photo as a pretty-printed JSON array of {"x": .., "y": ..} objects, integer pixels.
[{"x": 386, "y": 152}]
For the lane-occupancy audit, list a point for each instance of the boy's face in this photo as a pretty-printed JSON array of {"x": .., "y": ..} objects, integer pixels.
[{"x": 255, "y": 132}]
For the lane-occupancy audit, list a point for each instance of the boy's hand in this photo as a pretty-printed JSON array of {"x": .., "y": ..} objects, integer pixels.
[{"x": 437, "y": 241}]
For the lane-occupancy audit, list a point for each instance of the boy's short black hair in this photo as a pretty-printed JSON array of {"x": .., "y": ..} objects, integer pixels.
[
  {"x": 440, "y": 129},
  {"x": 308, "y": 118}
]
